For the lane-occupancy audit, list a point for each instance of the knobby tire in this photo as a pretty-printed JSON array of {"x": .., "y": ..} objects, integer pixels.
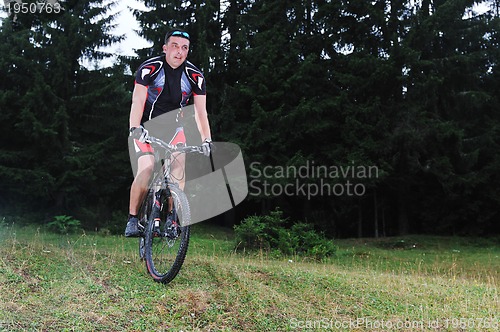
[{"x": 164, "y": 257}]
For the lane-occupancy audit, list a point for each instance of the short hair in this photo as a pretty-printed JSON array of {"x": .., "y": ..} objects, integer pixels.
[{"x": 177, "y": 33}]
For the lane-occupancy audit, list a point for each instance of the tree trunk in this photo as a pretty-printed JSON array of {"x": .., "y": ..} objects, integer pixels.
[
  {"x": 360, "y": 222},
  {"x": 375, "y": 208},
  {"x": 402, "y": 201}
]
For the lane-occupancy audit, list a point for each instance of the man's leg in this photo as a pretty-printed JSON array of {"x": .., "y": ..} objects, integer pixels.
[
  {"x": 139, "y": 187},
  {"x": 178, "y": 175},
  {"x": 178, "y": 160},
  {"x": 178, "y": 169},
  {"x": 138, "y": 190}
]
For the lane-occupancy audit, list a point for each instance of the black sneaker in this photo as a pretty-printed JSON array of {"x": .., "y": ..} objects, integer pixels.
[{"x": 132, "y": 229}]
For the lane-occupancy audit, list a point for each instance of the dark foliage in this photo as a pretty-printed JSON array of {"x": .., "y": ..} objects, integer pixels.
[{"x": 408, "y": 87}]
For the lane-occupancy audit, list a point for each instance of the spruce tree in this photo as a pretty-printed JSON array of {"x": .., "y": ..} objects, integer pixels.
[{"x": 57, "y": 129}]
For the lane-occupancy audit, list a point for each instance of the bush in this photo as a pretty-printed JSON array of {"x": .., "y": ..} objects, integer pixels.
[
  {"x": 270, "y": 233},
  {"x": 311, "y": 243},
  {"x": 64, "y": 225}
]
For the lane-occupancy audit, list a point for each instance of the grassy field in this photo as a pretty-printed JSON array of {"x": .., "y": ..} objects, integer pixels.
[{"x": 91, "y": 282}]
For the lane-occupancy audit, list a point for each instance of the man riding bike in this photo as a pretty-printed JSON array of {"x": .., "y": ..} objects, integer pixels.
[{"x": 162, "y": 84}]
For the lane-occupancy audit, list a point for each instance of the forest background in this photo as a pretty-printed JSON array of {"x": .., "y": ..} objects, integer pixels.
[{"x": 409, "y": 88}]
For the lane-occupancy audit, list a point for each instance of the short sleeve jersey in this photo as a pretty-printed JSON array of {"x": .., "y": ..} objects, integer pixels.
[{"x": 168, "y": 88}]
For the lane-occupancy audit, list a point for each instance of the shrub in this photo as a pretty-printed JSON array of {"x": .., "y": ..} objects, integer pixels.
[
  {"x": 270, "y": 233},
  {"x": 311, "y": 243},
  {"x": 64, "y": 225}
]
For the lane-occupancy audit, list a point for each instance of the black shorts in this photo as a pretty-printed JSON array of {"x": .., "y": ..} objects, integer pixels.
[
  {"x": 137, "y": 149},
  {"x": 142, "y": 149}
]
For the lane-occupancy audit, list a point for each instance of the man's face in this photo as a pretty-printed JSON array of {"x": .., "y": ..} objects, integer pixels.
[{"x": 176, "y": 51}]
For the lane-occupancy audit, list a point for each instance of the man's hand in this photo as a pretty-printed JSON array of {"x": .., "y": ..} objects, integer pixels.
[
  {"x": 207, "y": 147},
  {"x": 139, "y": 133}
]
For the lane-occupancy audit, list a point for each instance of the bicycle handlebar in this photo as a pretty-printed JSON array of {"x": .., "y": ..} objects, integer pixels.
[{"x": 172, "y": 148}]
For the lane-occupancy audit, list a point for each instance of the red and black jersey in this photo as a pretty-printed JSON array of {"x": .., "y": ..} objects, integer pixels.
[{"x": 168, "y": 88}]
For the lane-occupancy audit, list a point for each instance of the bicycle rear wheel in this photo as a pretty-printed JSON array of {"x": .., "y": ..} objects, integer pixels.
[{"x": 166, "y": 245}]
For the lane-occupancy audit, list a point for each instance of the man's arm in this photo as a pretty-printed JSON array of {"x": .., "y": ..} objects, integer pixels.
[
  {"x": 139, "y": 97},
  {"x": 201, "y": 117}
]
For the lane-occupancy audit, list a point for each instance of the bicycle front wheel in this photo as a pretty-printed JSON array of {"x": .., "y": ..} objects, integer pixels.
[
  {"x": 144, "y": 215},
  {"x": 166, "y": 242}
]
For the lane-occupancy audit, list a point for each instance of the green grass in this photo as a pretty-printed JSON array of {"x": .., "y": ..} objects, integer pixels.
[{"x": 90, "y": 282}]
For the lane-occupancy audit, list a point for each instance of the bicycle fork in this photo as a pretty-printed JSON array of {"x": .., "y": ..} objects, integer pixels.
[
  {"x": 156, "y": 213},
  {"x": 167, "y": 213}
]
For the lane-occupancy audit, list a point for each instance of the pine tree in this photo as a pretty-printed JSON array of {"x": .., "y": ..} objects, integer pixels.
[
  {"x": 447, "y": 94},
  {"x": 45, "y": 99}
]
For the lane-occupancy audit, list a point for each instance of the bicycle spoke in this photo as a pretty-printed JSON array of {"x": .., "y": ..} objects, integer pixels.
[{"x": 166, "y": 246}]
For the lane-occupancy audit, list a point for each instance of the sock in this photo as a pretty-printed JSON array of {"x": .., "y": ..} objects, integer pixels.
[{"x": 132, "y": 216}]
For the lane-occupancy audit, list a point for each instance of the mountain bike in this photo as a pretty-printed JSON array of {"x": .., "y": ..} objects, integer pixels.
[{"x": 164, "y": 216}]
